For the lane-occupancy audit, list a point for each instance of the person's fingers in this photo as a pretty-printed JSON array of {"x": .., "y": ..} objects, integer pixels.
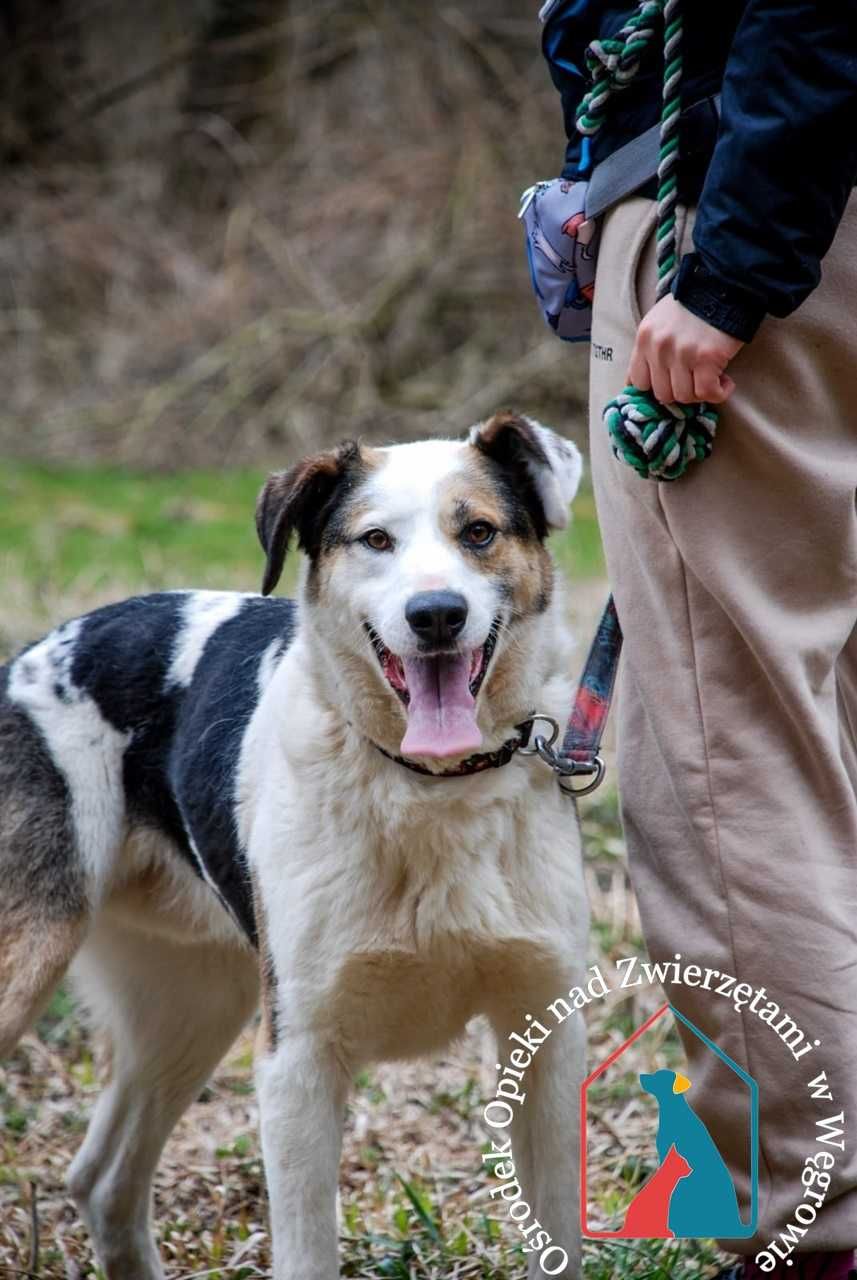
[
  {"x": 706, "y": 383},
  {"x": 712, "y": 385},
  {"x": 681, "y": 377},
  {"x": 658, "y": 350},
  {"x": 661, "y": 383},
  {"x": 638, "y": 370}
]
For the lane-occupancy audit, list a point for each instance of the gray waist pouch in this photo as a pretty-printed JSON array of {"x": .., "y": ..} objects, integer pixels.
[
  {"x": 562, "y": 219},
  {"x": 562, "y": 244}
]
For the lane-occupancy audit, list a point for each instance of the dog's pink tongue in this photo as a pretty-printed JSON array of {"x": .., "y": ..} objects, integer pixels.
[{"x": 442, "y": 710}]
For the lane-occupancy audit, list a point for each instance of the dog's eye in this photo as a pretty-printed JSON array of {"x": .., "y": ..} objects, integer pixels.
[
  {"x": 378, "y": 540},
  {"x": 479, "y": 534}
]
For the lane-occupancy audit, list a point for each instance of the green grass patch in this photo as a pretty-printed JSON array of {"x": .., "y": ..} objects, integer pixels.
[
  {"x": 60, "y": 526},
  {"x": 578, "y": 548},
  {"x": 651, "y": 1260}
]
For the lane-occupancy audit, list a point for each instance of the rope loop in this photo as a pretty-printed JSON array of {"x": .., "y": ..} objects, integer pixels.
[
  {"x": 613, "y": 63},
  {"x": 658, "y": 441}
]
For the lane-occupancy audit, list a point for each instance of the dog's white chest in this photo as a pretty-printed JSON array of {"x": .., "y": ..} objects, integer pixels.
[
  {"x": 389, "y": 1004},
  {"x": 390, "y": 937}
]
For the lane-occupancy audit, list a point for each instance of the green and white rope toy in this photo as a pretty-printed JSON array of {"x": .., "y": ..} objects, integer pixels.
[{"x": 659, "y": 441}]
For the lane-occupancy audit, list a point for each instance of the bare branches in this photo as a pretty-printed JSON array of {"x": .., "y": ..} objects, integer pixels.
[{"x": 355, "y": 264}]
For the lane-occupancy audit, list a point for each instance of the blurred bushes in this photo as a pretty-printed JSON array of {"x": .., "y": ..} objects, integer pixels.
[{"x": 230, "y": 231}]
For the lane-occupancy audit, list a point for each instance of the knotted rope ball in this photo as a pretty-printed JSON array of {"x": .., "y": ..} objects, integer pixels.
[{"x": 659, "y": 441}]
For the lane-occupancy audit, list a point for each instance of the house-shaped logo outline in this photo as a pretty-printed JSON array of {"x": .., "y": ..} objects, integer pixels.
[{"x": 749, "y": 1230}]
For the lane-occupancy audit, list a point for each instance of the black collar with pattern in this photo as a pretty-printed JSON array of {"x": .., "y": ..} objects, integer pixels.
[{"x": 478, "y": 763}]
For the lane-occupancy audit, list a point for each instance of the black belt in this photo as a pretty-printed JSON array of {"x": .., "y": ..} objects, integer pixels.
[{"x": 635, "y": 163}]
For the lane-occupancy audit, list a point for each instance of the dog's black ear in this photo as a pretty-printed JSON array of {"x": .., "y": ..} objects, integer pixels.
[
  {"x": 544, "y": 468},
  {"x": 299, "y": 501}
]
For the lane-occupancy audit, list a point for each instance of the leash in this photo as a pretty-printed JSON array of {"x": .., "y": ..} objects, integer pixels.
[
  {"x": 578, "y": 754},
  {"x": 658, "y": 441}
]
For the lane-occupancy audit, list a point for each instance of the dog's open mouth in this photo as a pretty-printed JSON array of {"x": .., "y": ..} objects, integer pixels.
[{"x": 439, "y": 692}]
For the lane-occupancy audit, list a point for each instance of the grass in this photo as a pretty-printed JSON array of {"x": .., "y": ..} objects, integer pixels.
[
  {"x": 414, "y": 1193},
  {"x": 71, "y": 537},
  {"x": 108, "y": 524}
]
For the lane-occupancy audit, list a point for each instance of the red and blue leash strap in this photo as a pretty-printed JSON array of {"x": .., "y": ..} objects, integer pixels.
[
  {"x": 591, "y": 707},
  {"x": 579, "y": 752}
]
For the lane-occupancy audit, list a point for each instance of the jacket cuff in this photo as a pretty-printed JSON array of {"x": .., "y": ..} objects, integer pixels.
[{"x": 723, "y": 305}]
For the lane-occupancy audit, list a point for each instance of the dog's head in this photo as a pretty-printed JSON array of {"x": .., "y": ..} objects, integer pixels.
[
  {"x": 664, "y": 1084},
  {"x": 427, "y": 575}
]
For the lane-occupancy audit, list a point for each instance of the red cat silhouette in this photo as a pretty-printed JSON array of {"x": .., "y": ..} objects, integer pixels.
[{"x": 646, "y": 1215}]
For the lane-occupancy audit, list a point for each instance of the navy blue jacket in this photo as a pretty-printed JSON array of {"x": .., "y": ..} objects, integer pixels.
[{"x": 772, "y": 180}]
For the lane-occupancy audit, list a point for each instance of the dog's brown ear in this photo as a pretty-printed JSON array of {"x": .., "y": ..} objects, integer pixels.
[
  {"x": 299, "y": 501},
  {"x": 546, "y": 468}
]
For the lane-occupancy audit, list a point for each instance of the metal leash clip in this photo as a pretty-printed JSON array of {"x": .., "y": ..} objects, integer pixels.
[
  {"x": 574, "y": 768},
  {"x": 543, "y": 747}
]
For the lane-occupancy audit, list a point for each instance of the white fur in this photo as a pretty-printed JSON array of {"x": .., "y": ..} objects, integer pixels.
[
  {"x": 181, "y": 906},
  {"x": 84, "y": 747},
  {"x": 558, "y": 481},
  {"x": 268, "y": 665},
  {"x": 203, "y": 613},
  {"x": 403, "y": 498},
  {"x": 172, "y": 1010}
]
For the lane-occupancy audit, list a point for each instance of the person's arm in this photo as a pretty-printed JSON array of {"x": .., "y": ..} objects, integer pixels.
[
  {"x": 783, "y": 168},
  {"x": 781, "y": 174}
]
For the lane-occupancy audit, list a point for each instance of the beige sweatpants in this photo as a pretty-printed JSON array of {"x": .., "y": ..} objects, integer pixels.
[{"x": 736, "y": 588}]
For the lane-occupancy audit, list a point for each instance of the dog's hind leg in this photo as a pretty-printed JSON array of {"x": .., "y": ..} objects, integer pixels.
[
  {"x": 171, "y": 1011},
  {"x": 43, "y": 898},
  {"x": 34, "y": 955}
]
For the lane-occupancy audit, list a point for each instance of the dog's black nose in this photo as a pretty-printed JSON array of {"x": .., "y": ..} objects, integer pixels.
[{"x": 437, "y": 617}]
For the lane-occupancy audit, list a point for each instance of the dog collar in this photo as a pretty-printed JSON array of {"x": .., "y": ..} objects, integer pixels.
[{"x": 478, "y": 763}]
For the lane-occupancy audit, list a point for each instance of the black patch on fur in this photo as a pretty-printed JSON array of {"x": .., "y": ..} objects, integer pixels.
[
  {"x": 269, "y": 980},
  {"x": 505, "y": 586},
  {"x": 509, "y": 444},
  {"x": 121, "y": 660},
  {"x": 332, "y": 519},
  {"x": 40, "y": 872},
  {"x": 206, "y": 747},
  {"x": 304, "y": 501},
  {"x": 179, "y": 769}
]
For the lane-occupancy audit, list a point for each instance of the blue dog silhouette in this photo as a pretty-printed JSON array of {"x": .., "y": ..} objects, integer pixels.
[{"x": 704, "y": 1203}]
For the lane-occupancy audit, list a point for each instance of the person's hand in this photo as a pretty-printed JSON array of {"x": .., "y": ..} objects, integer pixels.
[{"x": 681, "y": 358}]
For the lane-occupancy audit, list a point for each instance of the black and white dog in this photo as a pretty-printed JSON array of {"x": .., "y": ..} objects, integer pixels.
[{"x": 206, "y": 795}]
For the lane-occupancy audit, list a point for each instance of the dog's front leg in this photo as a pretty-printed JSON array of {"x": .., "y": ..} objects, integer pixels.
[
  {"x": 302, "y": 1091},
  {"x": 545, "y": 1132}
]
